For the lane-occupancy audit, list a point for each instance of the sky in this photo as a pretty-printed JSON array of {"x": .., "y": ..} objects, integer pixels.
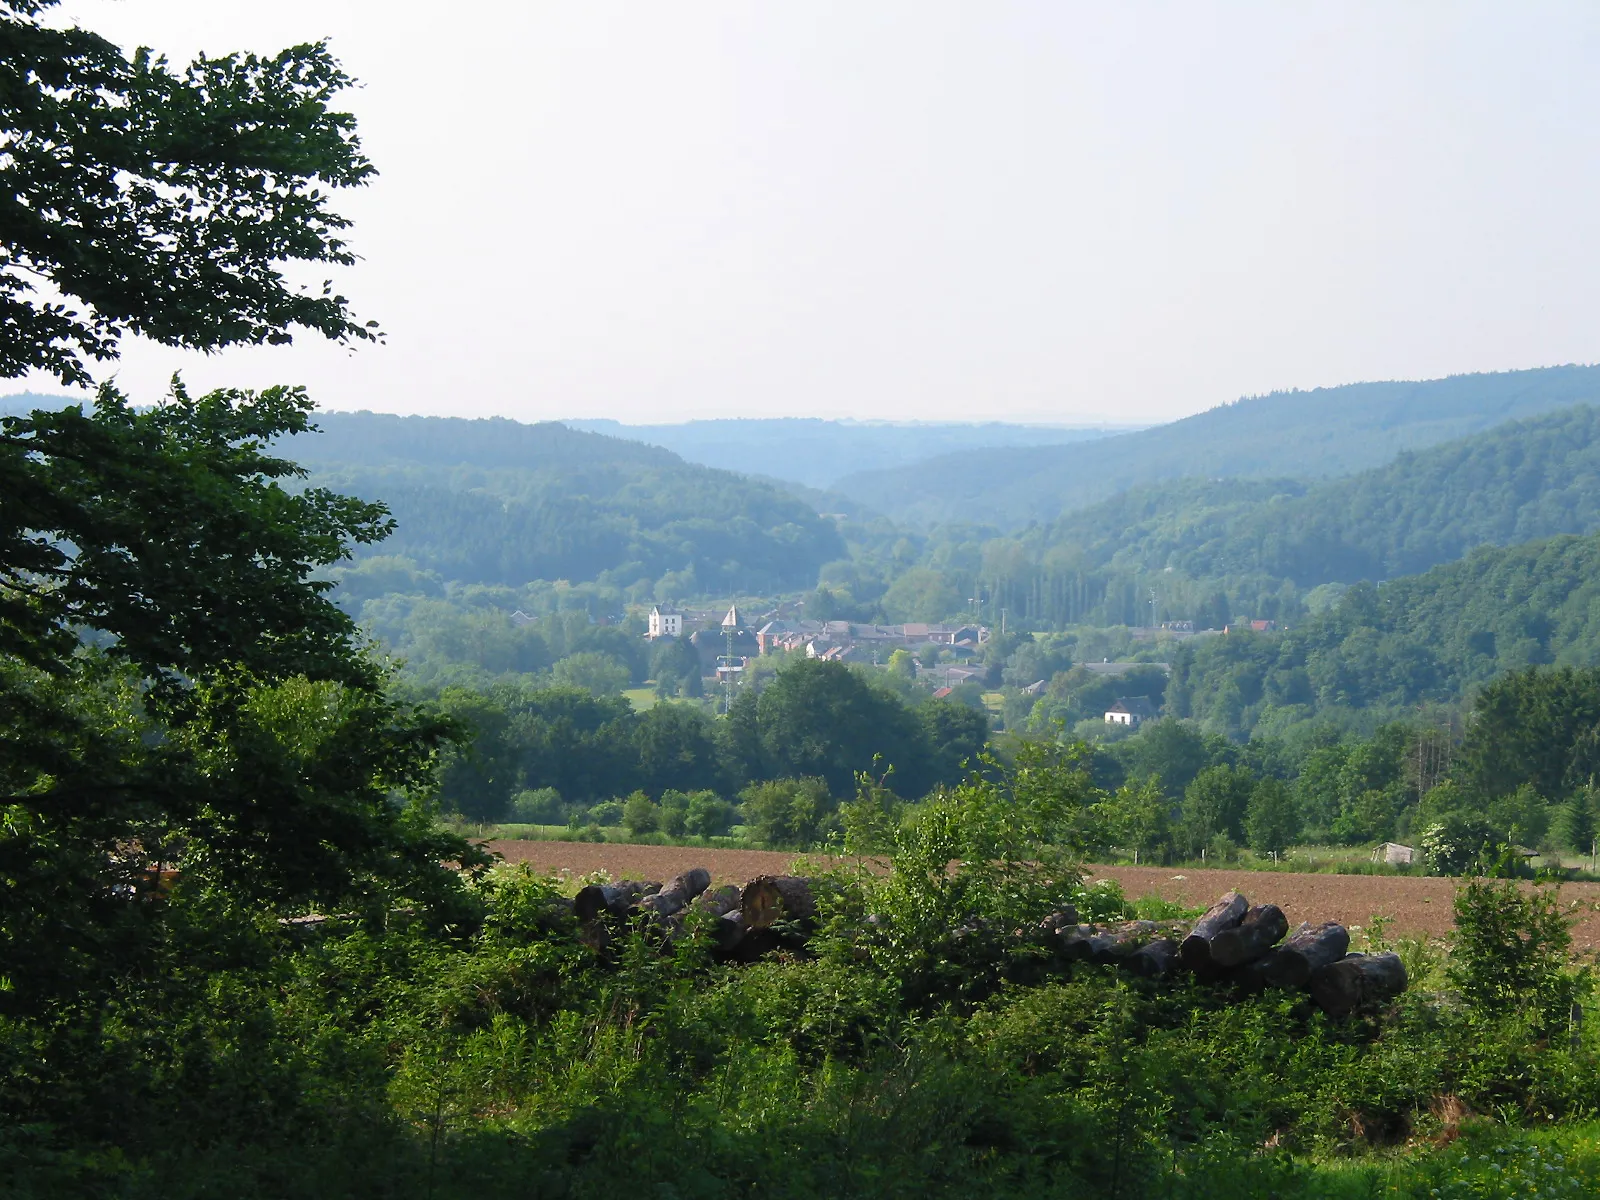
[{"x": 1052, "y": 212}]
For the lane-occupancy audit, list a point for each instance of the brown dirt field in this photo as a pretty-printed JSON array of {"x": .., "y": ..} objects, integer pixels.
[{"x": 1415, "y": 905}]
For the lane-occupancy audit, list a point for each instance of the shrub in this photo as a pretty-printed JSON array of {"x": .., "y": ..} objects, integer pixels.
[{"x": 1511, "y": 947}]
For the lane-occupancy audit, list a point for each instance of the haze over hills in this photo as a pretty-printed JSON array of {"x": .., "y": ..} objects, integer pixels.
[
  {"x": 1320, "y": 433},
  {"x": 818, "y": 452}
]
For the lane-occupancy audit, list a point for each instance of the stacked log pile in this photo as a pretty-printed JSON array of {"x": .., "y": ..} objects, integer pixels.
[{"x": 1232, "y": 944}]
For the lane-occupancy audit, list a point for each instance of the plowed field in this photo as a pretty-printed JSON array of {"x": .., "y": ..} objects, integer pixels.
[{"x": 1415, "y": 905}]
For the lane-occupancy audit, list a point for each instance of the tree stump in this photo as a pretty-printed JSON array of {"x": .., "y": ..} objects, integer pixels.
[
  {"x": 1195, "y": 952},
  {"x": 1341, "y": 987},
  {"x": 1250, "y": 939},
  {"x": 768, "y": 899}
]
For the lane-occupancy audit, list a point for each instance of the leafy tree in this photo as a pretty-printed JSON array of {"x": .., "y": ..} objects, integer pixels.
[
  {"x": 161, "y": 202},
  {"x": 1215, "y": 802},
  {"x": 1459, "y": 843},
  {"x": 1575, "y": 823},
  {"x": 787, "y": 813},
  {"x": 822, "y": 720},
  {"x": 477, "y": 779},
  {"x": 674, "y": 813},
  {"x": 1172, "y": 751},
  {"x": 1136, "y": 817},
  {"x": 1272, "y": 819},
  {"x": 596, "y": 673},
  {"x": 676, "y": 749},
  {"x": 640, "y": 815},
  {"x": 707, "y": 815}
]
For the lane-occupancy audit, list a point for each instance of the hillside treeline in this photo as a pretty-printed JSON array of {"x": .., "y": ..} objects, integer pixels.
[
  {"x": 1217, "y": 550},
  {"x": 499, "y": 502},
  {"x": 1318, "y": 433},
  {"x": 1425, "y": 638}
]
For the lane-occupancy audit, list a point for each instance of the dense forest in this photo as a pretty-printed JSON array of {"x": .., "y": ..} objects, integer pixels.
[
  {"x": 1419, "y": 639},
  {"x": 499, "y": 502},
  {"x": 1318, "y": 433}
]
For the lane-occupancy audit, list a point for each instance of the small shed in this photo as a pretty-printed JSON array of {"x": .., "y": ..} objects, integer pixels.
[{"x": 1394, "y": 854}]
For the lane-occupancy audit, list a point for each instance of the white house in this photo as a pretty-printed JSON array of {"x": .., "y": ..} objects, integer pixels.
[
  {"x": 664, "y": 624},
  {"x": 1130, "y": 710}
]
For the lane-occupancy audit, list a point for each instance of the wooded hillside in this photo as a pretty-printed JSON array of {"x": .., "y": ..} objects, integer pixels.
[{"x": 1324, "y": 432}]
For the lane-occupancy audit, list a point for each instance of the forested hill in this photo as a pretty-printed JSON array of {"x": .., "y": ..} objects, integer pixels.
[
  {"x": 1420, "y": 639},
  {"x": 1513, "y": 483},
  {"x": 817, "y": 453},
  {"x": 1322, "y": 433},
  {"x": 499, "y": 502}
]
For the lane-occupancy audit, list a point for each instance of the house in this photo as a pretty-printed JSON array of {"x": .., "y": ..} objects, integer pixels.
[
  {"x": 941, "y": 693},
  {"x": 1036, "y": 688},
  {"x": 1131, "y": 710},
  {"x": 1394, "y": 854},
  {"x": 664, "y": 624}
]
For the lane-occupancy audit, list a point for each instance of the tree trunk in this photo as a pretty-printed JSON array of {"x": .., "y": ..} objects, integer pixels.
[
  {"x": 676, "y": 893},
  {"x": 1154, "y": 959},
  {"x": 617, "y": 899},
  {"x": 1251, "y": 938},
  {"x": 1341, "y": 987},
  {"x": 768, "y": 899},
  {"x": 1307, "y": 948},
  {"x": 1195, "y": 952}
]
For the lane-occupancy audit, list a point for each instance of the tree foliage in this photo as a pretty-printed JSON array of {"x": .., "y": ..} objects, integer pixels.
[{"x": 163, "y": 202}]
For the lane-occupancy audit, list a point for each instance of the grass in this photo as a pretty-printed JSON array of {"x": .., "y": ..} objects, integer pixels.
[{"x": 642, "y": 698}]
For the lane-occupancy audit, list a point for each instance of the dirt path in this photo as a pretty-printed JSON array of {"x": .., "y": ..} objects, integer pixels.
[{"x": 1415, "y": 905}]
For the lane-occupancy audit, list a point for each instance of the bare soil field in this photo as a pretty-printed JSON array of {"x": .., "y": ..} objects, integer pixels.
[{"x": 1414, "y": 905}]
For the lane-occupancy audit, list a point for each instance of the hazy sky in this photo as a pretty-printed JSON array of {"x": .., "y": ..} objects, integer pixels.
[{"x": 1046, "y": 211}]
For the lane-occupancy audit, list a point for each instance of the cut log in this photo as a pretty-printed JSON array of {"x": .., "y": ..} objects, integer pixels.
[
  {"x": 754, "y": 944},
  {"x": 1154, "y": 959},
  {"x": 1060, "y": 919},
  {"x": 616, "y": 899},
  {"x": 1115, "y": 945},
  {"x": 720, "y": 902},
  {"x": 1341, "y": 987},
  {"x": 1252, "y": 937},
  {"x": 1072, "y": 943},
  {"x": 768, "y": 899},
  {"x": 1306, "y": 949},
  {"x": 594, "y": 935},
  {"x": 676, "y": 893},
  {"x": 1195, "y": 952},
  {"x": 726, "y": 932}
]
